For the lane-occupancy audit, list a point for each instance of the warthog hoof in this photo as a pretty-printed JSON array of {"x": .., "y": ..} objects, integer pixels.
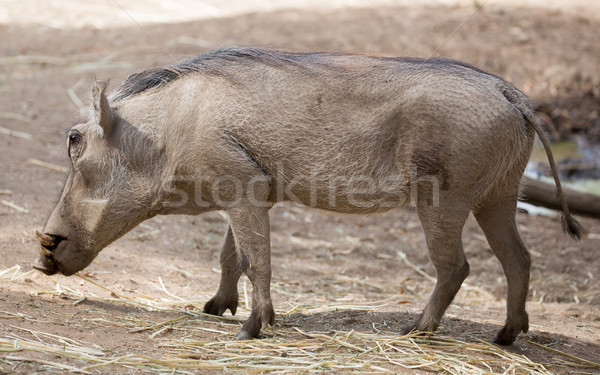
[
  {"x": 511, "y": 329},
  {"x": 218, "y": 304},
  {"x": 421, "y": 326},
  {"x": 259, "y": 319},
  {"x": 506, "y": 336}
]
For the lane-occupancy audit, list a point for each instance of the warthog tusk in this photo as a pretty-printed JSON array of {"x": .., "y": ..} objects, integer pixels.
[
  {"x": 45, "y": 240},
  {"x": 46, "y": 252}
]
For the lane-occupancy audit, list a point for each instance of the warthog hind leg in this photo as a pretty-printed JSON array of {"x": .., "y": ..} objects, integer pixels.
[
  {"x": 497, "y": 220},
  {"x": 443, "y": 229}
]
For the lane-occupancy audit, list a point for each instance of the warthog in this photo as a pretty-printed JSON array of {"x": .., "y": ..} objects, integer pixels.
[{"x": 240, "y": 129}]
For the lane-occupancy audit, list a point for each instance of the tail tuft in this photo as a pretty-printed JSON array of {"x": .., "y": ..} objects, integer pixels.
[{"x": 572, "y": 227}]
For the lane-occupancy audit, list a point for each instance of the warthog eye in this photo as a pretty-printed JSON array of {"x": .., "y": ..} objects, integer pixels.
[{"x": 74, "y": 138}]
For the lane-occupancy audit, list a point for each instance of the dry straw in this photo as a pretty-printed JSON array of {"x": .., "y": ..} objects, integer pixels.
[
  {"x": 355, "y": 352},
  {"x": 193, "y": 342}
]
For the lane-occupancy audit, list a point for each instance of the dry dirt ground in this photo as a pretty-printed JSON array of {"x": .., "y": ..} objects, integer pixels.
[{"x": 331, "y": 273}]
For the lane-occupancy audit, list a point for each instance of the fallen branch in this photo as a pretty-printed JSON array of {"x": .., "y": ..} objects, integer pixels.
[{"x": 543, "y": 194}]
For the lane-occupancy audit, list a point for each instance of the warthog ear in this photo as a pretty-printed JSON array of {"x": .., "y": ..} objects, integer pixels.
[{"x": 103, "y": 115}]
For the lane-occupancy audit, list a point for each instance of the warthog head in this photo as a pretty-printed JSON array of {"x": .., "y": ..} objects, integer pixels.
[{"x": 108, "y": 192}]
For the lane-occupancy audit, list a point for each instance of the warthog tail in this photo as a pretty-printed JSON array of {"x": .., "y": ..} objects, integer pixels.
[{"x": 520, "y": 101}]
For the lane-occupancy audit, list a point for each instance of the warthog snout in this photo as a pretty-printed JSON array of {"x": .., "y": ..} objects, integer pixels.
[
  {"x": 52, "y": 248},
  {"x": 48, "y": 243},
  {"x": 46, "y": 265}
]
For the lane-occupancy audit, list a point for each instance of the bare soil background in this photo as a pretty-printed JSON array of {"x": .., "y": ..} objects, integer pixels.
[{"x": 323, "y": 263}]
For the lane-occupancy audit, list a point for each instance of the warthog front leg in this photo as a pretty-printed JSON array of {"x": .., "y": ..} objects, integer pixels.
[
  {"x": 227, "y": 294},
  {"x": 250, "y": 226},
  {"x": 498, "y": 223}
]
